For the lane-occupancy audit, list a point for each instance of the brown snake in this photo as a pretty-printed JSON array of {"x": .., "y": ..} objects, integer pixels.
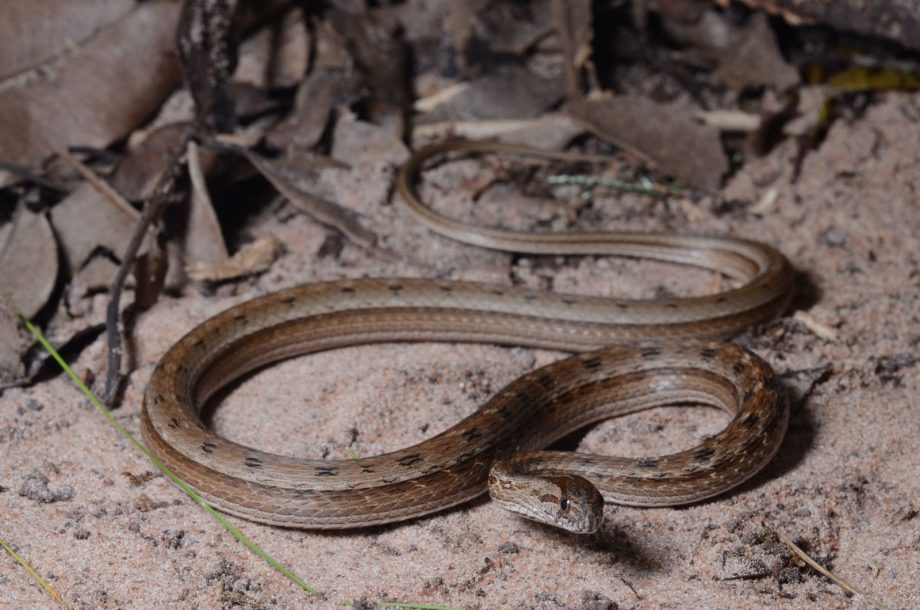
[{"x": 498, "y": 444}]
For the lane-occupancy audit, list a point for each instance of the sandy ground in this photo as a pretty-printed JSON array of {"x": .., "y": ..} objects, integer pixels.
[{"x": 86, "y": 510}]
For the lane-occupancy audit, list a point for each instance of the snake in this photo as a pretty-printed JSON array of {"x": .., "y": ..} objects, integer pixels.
[{"x": 626, "y": 356}]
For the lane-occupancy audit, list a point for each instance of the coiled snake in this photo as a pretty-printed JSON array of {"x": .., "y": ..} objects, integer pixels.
[{"x": 655, "y": 355}]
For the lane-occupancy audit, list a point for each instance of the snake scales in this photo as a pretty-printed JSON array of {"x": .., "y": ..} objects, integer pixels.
[{"x": 498, "y": 446}]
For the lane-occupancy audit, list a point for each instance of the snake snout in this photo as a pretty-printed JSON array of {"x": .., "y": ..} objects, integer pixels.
[{"x": 569, "y": 502}]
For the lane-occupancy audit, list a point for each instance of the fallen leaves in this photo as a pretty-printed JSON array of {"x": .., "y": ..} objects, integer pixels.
[
  {"x": 28, "y": 263},
  {"x": 665, "y": 135},
  {"x": 99, "y": 94}
]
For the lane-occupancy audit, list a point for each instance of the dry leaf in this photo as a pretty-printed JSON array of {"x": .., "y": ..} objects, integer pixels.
[
  {"x": 86, "y": 220},
  {"x": 293, "y": 179},
  {"x": 893, "y": 19},
  {"x": 28, "y": 263},
  {"x": 745, "y": 56},
  {"x": 511, "y": 92},
  {"x": 100, "y": 94},
  {"x": 277, "y": 55},
  {"x": 54, "y": 27},
  {"x": 664, "y": 134},
  {"x": 138, "y": 172},
  {"x": 321, "y": 92},
  {"x": 202, "y": 240},
  {"x": 252, "y": 258}
]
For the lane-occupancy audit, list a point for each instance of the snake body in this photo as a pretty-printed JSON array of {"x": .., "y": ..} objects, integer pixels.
[{"x": 498, "y": 447}]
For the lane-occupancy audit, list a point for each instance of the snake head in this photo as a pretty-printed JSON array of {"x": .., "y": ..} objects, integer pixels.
[{"x": 569, "y": 502}]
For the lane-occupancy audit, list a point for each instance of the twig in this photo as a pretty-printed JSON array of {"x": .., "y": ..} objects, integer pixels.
[
  {"x": 153, "y": 207},
  {"x": 824, "y": 571}
]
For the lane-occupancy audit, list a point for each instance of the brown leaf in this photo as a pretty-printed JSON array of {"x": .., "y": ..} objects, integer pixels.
[
  {"x": 292, "y": 178},
  {"x": 252, "y": 258},
  {"x": 54, "y": 27},
  {"x": 277, "y": 55},
  {"x": 745, "y": 56},
  {"x": 321, "y": 92},
  {"x": 28, "y": 263},
  {"x": 85, "y": 220},
  {"x": 664, "y": 134},
  {"x": 100, "y": 93},
  {"x": 137, "y": 173},
  {"x": 511, "y": 92},
  {"x": 203, "y": 240}
]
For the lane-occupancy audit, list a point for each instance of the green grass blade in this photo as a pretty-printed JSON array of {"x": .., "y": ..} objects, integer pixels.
[
  {"x": 252, "y": 546},
  {"x": 38, "y": 577}
]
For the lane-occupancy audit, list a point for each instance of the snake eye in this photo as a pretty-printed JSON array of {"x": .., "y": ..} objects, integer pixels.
[{"x": 564, "y": 504}]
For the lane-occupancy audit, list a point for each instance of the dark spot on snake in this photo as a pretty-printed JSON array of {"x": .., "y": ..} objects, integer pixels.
[
  {"x": 326, "y": 471},
  {"x": 708, "y": 353},
  {"x": 173, "y": 423},
  {"x": 239, "y": 317},
  {"x": 704, "y": 454},
  {"x": 738, "y": 367},
  {"x": 591, "y": 363},
  {"x": 646, "y": 462},
  {"x": 208, "y": 448},
  {"x": 721, "y": 300},
  {"x": 750, "y": 422},
  {"x": 546, "y": 381},
  {"x": 660, "y": 475},
  {"x": 395, "y": 287},
  {"x": 587, "y": 461},
  {"x": 367, "y": 468},
  {"x": 347, "y": 289},
  {"x": 181, "y": 368},
  {"x": 472, "y": 434},
  {"x": 771, "y": 383},
  {"x": 524, "y": 399},
  {"x": 497, "y": 292},
  {"x": 158, "y": 399},
  {"x": 409, "y": 460},
  {"x": 622, "y": 305},
  {"x": 748, "y": 394},
  {"x": 650, "y": 352},
  {"x": 289, "y": 300},
  {"x": 446, "y": 287},
  {"x": 199, "y": 343},
  {"x": 569, "y": 300},
  {"x": 253, "y": 462},
  {"x": 671, "y": 305},
  {"x": 530, "y": 297},
  {"x": 505, "y": 413}
]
